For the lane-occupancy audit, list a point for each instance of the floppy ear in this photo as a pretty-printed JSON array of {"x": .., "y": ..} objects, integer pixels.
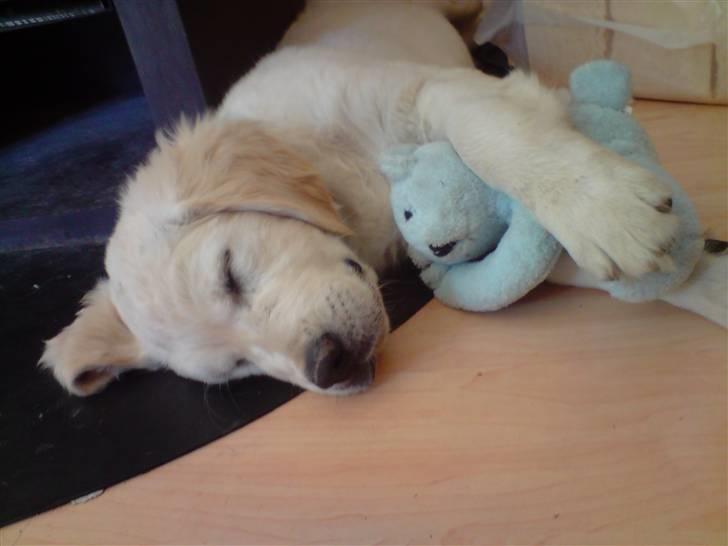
[
  {"x": 94, "y": 349},
  {"x": 228, "y": 166},
  {"x": 397, "y": 164}
]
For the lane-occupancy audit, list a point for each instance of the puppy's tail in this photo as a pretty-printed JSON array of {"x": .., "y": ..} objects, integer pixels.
[{"x": 706, "y": 291}]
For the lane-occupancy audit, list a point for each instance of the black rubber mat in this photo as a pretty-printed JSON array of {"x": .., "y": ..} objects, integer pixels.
[
  {"x": 58, "y": 187},
  {"x": 55, "y": 447}
]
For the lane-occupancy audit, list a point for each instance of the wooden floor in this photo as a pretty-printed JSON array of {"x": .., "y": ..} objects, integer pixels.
[{"x": 569, "y": 418}]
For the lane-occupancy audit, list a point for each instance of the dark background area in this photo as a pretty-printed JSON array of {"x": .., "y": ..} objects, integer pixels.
[
  {"x": 82, "y": 97},
  {"x": 54, "y": 71}
]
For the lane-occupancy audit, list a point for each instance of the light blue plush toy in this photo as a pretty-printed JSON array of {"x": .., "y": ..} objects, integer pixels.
[
  {"x": 480, "y": 250},
  {"x": 451, "y": 219}
]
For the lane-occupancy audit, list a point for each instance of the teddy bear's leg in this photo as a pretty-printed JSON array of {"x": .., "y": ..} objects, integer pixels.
[
  {"x": 514, "y": 133},
  {"x": 524, "y": 257}
]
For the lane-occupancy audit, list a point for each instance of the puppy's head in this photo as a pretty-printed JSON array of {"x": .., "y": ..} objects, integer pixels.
[{"x": 228, "y": 260}]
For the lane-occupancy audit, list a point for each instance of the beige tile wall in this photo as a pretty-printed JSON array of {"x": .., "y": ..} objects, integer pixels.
[{"x": 694, "y": 74}]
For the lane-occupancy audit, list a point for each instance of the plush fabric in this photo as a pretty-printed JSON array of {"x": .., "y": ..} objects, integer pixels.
[
  {"x": 480, "y": 250},
  {"x": 450, "y": 218}
]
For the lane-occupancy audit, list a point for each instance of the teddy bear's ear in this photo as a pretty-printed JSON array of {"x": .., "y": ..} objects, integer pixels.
[{"x": 397, "y": 164}]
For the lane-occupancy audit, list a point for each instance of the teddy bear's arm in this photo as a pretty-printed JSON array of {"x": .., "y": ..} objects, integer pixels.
[
  {"x": 431, "y": 273},
  {"x": 524, "y": 257}
]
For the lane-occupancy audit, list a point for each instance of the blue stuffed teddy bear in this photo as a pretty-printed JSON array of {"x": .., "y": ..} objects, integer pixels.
[{"x": 480, "y": 250}]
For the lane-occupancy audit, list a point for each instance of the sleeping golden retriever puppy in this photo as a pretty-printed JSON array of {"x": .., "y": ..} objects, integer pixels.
[
  {"x": 228, "y": 260},
  {"x": 250, "y": 240}
]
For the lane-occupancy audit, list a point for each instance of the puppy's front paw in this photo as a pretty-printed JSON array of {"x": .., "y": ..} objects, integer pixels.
[
  {"x": 433, "y": 274},
  {"x": 619, "y": 220}
]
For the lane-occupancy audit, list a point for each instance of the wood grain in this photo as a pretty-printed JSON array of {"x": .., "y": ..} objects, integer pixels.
[{"x": 567, "y": 418}]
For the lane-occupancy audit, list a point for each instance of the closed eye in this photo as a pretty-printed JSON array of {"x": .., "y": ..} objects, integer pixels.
[
  {"x": 230, "y": 281},
  {"x": 354, "y": 266}
]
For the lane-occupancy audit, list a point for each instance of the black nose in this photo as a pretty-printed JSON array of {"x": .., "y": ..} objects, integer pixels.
[
  {"x": 443, "y": 250},
  {"x": 328, "y": 362}
]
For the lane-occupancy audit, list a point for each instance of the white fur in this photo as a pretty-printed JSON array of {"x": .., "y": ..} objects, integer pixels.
[{"x": 350, "y": 80}]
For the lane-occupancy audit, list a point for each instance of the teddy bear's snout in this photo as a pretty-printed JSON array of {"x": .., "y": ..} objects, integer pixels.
[{"x": 443, "y": 250}]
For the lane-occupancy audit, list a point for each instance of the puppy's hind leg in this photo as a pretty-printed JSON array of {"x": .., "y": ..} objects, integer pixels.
[{"x": 704, "y": 293}]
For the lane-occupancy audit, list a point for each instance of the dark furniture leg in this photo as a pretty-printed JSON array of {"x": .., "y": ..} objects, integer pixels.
[{"x": 189, "y": 52}]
